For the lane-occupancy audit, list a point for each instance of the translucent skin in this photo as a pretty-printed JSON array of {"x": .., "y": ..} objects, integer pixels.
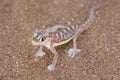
[{"x": 59, "y": 35}]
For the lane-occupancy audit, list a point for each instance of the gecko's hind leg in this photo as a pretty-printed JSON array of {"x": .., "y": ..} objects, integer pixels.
[{"x": 74, "y": 50}]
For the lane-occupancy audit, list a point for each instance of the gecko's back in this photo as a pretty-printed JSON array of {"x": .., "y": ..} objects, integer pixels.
[{"x": 61, "y": 33}]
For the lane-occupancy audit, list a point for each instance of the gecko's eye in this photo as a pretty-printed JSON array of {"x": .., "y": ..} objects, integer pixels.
[
  {"x": 38, "y": 37},
  {"x": 43, "y": 38}
]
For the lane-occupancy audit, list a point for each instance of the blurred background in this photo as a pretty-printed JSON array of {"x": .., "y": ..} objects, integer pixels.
[{"x": 100, "y": 43}]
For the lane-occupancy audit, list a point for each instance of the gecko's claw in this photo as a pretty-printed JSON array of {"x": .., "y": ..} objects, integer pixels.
[
  {"x": 51, "y": 67},
  {"x": 72, "y": 52},
  {"x": 40, "y": 53}
]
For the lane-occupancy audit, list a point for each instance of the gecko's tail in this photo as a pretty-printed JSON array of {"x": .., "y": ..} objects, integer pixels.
[{"x": 90, "y": 18}]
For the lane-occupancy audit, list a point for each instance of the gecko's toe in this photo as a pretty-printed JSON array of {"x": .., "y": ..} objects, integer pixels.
[
  {"x": 40, "y": 53},
  {"x": 72, "y": 52},
  {"x": 51, "y": 67}
]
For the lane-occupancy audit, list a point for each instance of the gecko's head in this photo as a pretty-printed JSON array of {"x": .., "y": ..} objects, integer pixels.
[{"x": 38, "y": 37}]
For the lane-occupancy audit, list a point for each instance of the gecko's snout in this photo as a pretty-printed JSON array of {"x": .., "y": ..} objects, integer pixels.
[{"x": 38, "y": 36}]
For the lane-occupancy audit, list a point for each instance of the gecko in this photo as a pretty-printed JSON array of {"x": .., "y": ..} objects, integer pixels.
[{"x": 61, "y": 34}]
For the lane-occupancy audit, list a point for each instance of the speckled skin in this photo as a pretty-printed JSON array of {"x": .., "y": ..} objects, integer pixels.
[{"x": 59, "y": 35}]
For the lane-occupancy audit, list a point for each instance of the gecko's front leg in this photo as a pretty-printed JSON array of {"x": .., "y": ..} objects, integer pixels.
[
  {"x": 40, "y": 52},
  {"x": 52, "y": 66}
]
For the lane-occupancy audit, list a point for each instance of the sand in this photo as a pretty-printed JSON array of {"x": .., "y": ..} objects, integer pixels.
[{"x": 100, "y": 43}]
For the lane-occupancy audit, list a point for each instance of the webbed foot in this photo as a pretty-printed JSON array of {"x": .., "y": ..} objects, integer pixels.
[
  {"x": 40, "y": 53},
  {"x": 51, "y": 67},
  {"x": 72, "y": 52}
]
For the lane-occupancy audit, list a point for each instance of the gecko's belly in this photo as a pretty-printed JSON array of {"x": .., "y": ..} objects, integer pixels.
[
  {"x": 55, "y": 44},
  {"x": 63, "y": 42}
]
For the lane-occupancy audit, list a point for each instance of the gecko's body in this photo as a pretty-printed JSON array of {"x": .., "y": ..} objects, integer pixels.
[{"x": 59, "y": 35}]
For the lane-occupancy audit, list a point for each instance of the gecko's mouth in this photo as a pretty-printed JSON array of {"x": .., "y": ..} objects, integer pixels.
[{"x": 35, "y": 43}]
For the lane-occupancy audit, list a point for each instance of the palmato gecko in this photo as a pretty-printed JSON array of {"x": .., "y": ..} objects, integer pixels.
[{"x": 59, "y": 35}]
